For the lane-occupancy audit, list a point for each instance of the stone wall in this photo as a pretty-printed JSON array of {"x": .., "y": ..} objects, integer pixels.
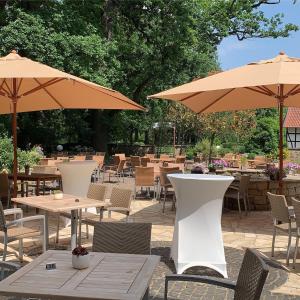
[
  {"x": 258, "y": 192},
  {"x": 258, "y": 189}
]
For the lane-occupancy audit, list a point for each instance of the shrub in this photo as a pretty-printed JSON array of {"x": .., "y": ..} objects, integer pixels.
[{"x": 30, "y": 157}]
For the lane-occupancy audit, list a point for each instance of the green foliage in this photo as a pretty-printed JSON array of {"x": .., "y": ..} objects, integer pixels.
[
  {"x": 204, "y": 147},
  {"x": 138, "y": 47},
  {"x": 29, "y": 158},
  {"x": 265, "y": 136}
]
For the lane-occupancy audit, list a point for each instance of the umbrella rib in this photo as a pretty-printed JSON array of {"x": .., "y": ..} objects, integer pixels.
[
  {"x": 190, "y": 96},
  {"x": 257, "y": 91},
  {"x": 2, "y": 93},
  {"x": 295, "y": 92},
  {"x": 263, "y": 87},
  {"x": 41, "y": 86},
  {"x": 215, "y": 101},
  {"x": 9, "y": 92},
  {"x": 19, "y": 85},
  {"x": 292, "y": 90},
  {"x": 133, "y": 103},
  {"x": 49, "y": 94}
]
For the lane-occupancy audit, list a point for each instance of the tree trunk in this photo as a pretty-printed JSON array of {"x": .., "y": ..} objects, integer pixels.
[
  {"x": 100, "y": 130},
  {"x": 212, "y": 139},
  {"x": 146, "y": 140}
]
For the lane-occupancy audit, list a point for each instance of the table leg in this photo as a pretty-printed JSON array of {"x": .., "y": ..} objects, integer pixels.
[
  {"x": 37, "y": 189},
  {"x": 47, "y": 229},
  {"x": 74, "y": 219},
  {"x": 22, "y": 188}
]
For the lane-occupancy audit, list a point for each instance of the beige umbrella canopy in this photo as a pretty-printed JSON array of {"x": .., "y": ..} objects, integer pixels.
[
  {"x": 264, "y": 84},
  {"x": 26, "y": 85}
]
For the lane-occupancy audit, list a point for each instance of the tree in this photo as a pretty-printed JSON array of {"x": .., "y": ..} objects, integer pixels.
[{"x": 138, "y": 47}]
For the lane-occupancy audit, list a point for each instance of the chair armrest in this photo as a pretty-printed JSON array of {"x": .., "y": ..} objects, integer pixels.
[
  {"x": 118, "y": 209},
  {"x": 232, "y": 187},
  {"x": 9, "y": 265},
  {"x": 223, "y": 282},
  {"x": 27, "y": 219},
  {"x": 13, "y": 211}
]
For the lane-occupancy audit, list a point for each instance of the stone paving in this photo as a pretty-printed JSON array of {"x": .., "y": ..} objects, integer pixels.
[{"x": 254, "y": 230}]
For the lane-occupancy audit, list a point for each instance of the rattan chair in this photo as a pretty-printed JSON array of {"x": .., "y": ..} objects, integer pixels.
[
  {"x": 240, "y": 192},
  {"x": 114, "y": 237},
  {"x": 145, "y": 161},
  {"x": 6, "y": 269},
  {"x": 79, "y": 157},
  {"x": 250, "y": 282},
  {"x": 165, "y": 184},
  {"x": 135, "y": 161},
  {"x": 15, "y": 230},
  {"x": 96, "y": 192},
  {"x": 118, "y": 172},
  {"x": 120, "y": 201},
  {"x": 296, "y": 207},
  {"x": 144, "y": 177},
  {"x": 100, "y": 160},
  {"x": 283, "y": 218}
]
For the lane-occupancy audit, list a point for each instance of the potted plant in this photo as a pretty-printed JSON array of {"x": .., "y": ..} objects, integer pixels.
[
  {"x": 273, "y": 173},
  {"x": 80, "y": 258},
  {"x": 58, "y": 195},
  {"x": 220, "y": 163},
  {"x": 212, "y": 168}
]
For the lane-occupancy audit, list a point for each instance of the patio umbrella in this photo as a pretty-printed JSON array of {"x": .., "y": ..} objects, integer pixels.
[
  {"x": 268, "y": 83},
  {"x": 26, "y": 85}
]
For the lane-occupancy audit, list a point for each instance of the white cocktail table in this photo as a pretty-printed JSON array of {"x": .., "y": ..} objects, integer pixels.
[{"x": 197, "y": 238}]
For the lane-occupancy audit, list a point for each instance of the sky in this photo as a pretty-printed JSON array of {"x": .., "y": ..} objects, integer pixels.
[{"x": 233, "y": 53}]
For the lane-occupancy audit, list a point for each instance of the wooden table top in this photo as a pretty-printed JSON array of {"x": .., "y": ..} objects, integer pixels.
[
  {"x": 110, "y": 276},
  {"x": 66, "y": 204},
  {"x": 35, "y": 176}
]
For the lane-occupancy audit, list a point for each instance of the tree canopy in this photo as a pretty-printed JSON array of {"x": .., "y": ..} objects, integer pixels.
[{"x": 138, "y": 47}]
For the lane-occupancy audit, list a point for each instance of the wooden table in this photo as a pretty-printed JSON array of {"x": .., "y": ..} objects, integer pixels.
[
  {"x": 37, "y": 177},
  {"x": 110, "y": 276},
  {"x": 67, "y": 204}
]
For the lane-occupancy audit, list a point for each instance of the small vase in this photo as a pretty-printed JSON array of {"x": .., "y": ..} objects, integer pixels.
[
  {"x": 58, "y": 196},
  {"x": 80, "y": 261}
]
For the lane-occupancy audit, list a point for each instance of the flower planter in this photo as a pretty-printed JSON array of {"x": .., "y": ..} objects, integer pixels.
[{"x": 80, "y": 261}]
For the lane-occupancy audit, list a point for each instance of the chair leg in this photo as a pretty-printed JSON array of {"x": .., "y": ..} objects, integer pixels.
[
  {"x": 166, "y": 290},
  {"x": 248, "y": 203},
  {"x": 21, "y": 250},
  {"x": 5, "y": 247},
  {"x": 164, "y": 202},
  {"x": 57, "y": 229},
  {"x": 296, "y": 252},
  {"x": 273, "y": 241},
  {"x": 239, "y": 205},
  {"x": 245, "y": 204},
  {"x": 87, "y": 231},
  {"x": 288, "y": 249}
]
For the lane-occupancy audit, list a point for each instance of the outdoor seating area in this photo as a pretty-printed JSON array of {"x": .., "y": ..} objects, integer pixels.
[{"x": 146, "y": 153}]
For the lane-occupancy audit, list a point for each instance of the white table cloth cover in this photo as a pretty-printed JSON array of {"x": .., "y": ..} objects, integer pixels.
[
  {"x": 76, "y": 176},
  {"x": 197, "y": 238}
]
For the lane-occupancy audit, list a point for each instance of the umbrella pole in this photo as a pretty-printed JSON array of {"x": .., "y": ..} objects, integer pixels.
[
  {"x": 281, "y": 101},
  {"x": 14, "y": 131}
]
